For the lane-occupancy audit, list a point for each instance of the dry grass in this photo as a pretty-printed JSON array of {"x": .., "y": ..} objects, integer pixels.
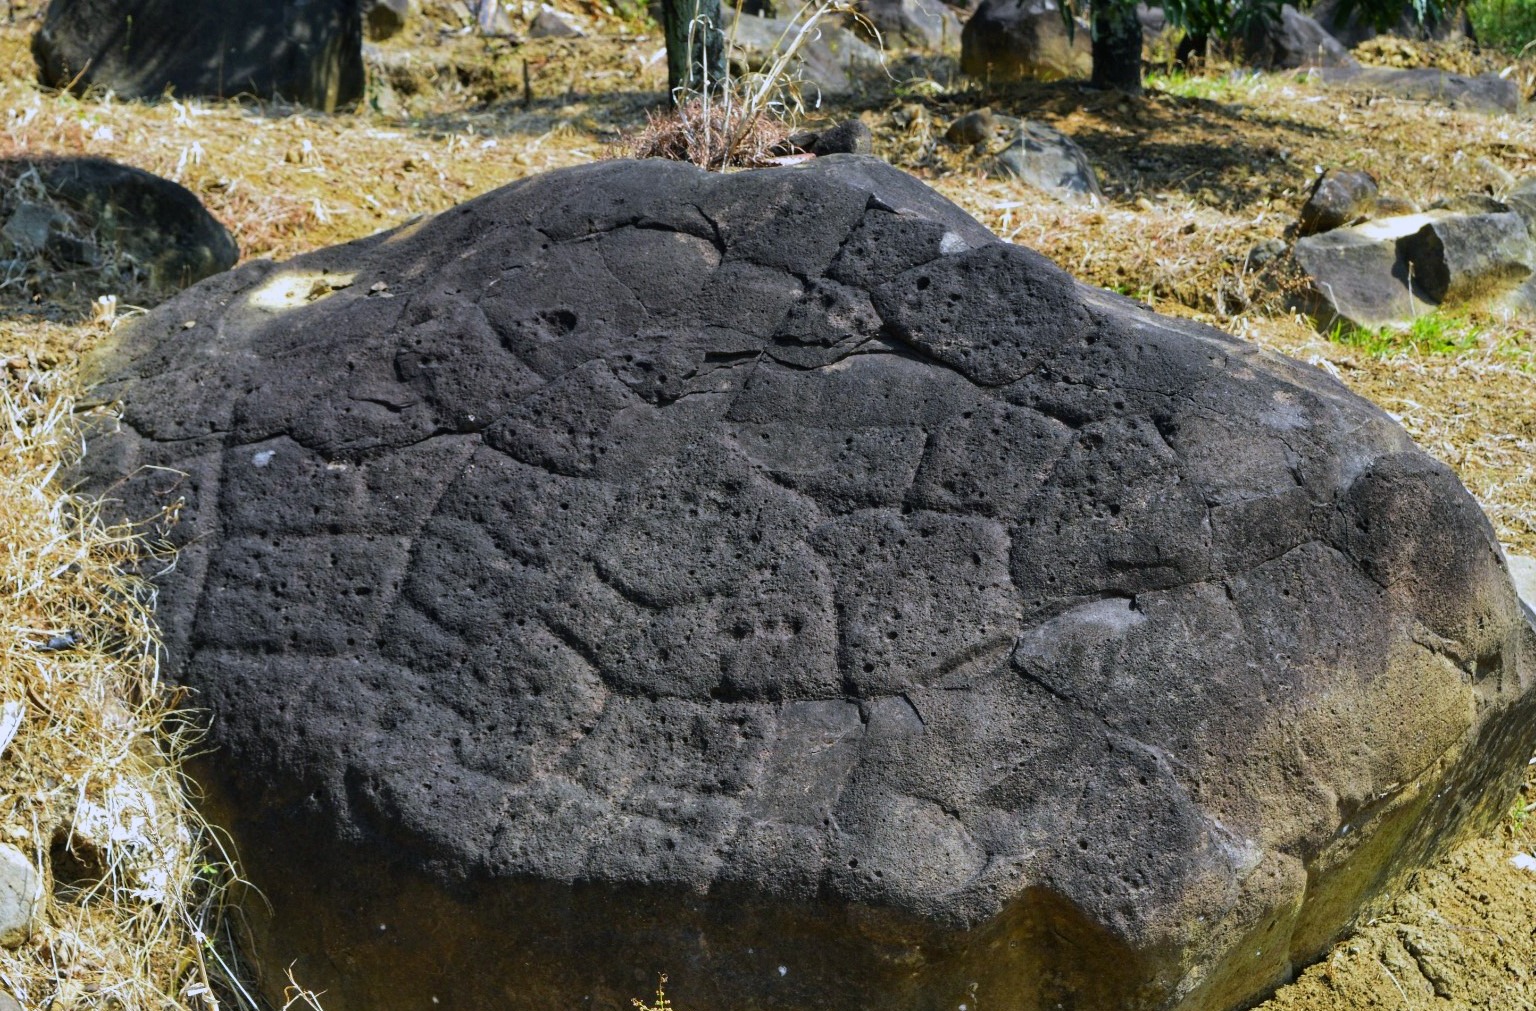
[
  {"x": 714, "y": 135},
  {"x": 92, "y": 790}
]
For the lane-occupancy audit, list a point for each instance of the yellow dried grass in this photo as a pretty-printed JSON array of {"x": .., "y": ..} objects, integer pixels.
[{"x": 92, "y": 789}]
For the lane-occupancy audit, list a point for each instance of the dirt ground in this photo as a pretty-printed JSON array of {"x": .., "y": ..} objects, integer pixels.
[{"x": 1195, "y": 173}]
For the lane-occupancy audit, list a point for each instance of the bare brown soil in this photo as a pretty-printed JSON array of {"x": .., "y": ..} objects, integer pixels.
[{"x": 1196, "y": 173}]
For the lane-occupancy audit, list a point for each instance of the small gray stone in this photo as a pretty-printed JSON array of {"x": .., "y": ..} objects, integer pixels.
[
  {"x": 1338, "y": 197},
  {"x": 1265, "y": 252},
  {"x": 1049, "y": 160},
  {"x": 1523, "y": 570},
  {"x": 550, "y": 23},
  {"x": 18, "y": 896},
  {"x": 978, "y": 127},
  {"x": 848, "y": 137},
  {"x": 9, "y": 1003}
]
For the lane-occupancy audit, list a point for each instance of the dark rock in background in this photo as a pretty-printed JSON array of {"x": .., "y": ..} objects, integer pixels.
[
  {"x": 1452, "y": 23},
  {"x": 831, "y": 61},
  {"x": 113, "y": 227},
  {"x": 774, "y": 579},
  {"x": 1020, "y": 40},
  {"x": 160, "y": 224},
  {"x": 917, "y": 24},
  {"x": 1293, "y": 41},
  {"x": 384, "y": 19},
  {"x": 305, "y": 51},
  {"x": 1339, "y": 197}
]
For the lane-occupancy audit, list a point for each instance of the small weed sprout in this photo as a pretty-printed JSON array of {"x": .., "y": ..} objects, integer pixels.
[{"x": 662, "y": 1004}]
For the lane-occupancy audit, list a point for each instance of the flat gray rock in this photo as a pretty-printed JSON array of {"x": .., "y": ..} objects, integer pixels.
[
  {"x": 1481, "y": 93},
  {"x": 18, "y": 896},
  {"x": 775, "y": 580},
  {"x": 1391, "y": 270}
]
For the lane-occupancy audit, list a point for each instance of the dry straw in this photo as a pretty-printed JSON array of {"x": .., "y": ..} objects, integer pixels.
[{"x": 91, "y": 790}]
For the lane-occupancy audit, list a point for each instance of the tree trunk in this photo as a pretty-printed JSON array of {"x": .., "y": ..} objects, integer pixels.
[
  {"x": 1116, "y": 46},
  {"x": 705, "y": 63}
]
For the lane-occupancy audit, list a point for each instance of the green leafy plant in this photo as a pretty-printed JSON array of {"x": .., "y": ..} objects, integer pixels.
[{"x": 1504, "y": 24}]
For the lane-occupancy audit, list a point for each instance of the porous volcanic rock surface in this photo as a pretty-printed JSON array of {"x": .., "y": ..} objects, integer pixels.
[{"x": 775, "y": 580}]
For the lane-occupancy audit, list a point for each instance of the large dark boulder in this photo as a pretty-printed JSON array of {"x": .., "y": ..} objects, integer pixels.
[
  {"x": 776, "y": 580},
  {"x": 305, "y": 51},
  {"x": 1023, "y": 40}
]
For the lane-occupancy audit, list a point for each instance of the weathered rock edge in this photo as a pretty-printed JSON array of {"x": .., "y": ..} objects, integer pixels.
[{"x": 775, "y": 580}]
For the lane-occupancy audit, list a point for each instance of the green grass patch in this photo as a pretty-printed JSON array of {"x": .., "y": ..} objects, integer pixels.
[{"x": 1429, "y": 334}]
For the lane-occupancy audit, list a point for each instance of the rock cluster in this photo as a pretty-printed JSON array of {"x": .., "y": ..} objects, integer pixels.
[
  {"x": 1473, "y": 251},
  {"x": 775, "y": 579}
]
